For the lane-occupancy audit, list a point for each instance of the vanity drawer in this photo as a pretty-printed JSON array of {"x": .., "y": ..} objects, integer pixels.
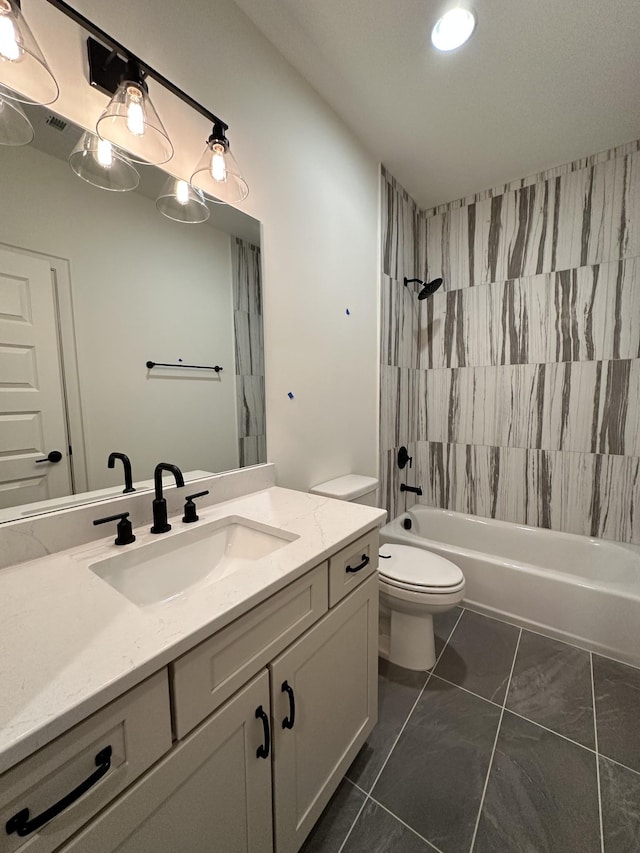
[
  {"x": 344, "y": 567},
  {"x": 123, "y": 739},
  {"x": 209, "y": 674}
]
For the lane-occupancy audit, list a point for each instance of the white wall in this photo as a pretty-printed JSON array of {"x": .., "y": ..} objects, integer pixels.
[
  {"x": 314, "y": 188},
  {"x": 128, "y": 262}
]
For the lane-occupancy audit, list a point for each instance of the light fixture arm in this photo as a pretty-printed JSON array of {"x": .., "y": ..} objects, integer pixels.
[{"x": 119, "y": 49}]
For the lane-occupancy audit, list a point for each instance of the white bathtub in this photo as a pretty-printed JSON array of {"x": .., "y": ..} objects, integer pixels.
[{"x": 585, "y": 591}]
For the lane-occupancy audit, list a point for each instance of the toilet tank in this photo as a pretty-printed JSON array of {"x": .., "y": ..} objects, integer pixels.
[{"x": 350, "y": 487}]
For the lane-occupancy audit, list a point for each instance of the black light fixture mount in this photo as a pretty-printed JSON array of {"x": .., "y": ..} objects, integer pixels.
[{"x": 107, "y": 69}]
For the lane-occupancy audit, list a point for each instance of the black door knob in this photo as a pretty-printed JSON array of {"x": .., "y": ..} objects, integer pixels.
[{"x": 53, "y": 456}]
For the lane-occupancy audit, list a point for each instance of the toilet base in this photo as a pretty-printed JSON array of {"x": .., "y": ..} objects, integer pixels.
[{"x": 411, "y": 641}]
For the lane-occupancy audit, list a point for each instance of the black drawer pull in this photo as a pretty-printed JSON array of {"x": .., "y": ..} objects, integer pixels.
[
  {"x": 263, "y": 750},
  {"x": 365, "y": 562},
  {"x": 20, "y": 822},
  {"x": 288, "y": 722}
]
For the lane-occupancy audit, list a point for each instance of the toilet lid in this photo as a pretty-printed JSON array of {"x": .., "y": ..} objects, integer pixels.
[{"x": 417, "y": 567}]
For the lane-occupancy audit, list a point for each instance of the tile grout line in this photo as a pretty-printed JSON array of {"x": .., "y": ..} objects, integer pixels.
[
  {"x": 526, "y": 719},
  {"x": 540, "y": 633},
  {"x": 495, "y": 744},
  {"x": 399, "y": 819},
  {"x": 595, "y": 735},
  {"x": 368, "y": 796}
]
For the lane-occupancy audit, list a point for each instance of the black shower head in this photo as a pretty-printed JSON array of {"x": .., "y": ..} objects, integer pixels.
[{"x": 428, "y": 287}]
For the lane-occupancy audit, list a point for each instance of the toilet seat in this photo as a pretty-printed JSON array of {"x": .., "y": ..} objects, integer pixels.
[{"x": 417, "y": 570}]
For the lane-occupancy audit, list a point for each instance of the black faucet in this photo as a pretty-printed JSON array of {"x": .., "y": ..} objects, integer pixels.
[
  {"x": 160, "y": 523},
  {"x": 111, "y": 463}
]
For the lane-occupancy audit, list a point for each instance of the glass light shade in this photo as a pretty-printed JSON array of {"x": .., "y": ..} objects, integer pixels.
[
  {"x": 15, "y": 127},
  {"x": 180, "y": 202},
  {"x": 131, "y": 122},
  {"x": 453, "y": 29},
  {"x": 218, "y": 176},
  {"x": 96, "y": 161},
  {"x": 25, "y": 75}
]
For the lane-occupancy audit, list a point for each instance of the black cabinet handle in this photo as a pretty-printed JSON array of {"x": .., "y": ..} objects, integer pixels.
[
  {"x": 20, "y": 822},
  {"x": 52, "y": 456},
  {"x": 263, "y": 750},
  {"x": 365, "y": 562},
  {"x": 288, "y": 722}
]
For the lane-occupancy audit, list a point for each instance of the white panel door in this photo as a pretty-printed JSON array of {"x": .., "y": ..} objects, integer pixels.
[{"x": 32, "y": 417}]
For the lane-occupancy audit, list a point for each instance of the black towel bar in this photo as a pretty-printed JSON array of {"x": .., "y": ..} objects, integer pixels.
[{"x": 151, "y": 364}]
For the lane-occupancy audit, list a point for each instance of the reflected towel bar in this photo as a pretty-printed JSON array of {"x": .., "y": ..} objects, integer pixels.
[{"x": 151, "y": 364}]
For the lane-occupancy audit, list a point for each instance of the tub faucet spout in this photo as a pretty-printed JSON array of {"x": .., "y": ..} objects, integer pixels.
[{"x": 416, "y": 490}]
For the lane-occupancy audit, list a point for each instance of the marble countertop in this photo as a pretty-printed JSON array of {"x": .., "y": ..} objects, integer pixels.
[{"x": 71, "y": 643}]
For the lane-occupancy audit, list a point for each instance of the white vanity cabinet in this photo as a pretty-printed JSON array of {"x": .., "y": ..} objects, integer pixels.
[
  {"x": 211, "y": 793},
  {"x": 324, "y": 691},
  {"x": 267, "y": 716}
]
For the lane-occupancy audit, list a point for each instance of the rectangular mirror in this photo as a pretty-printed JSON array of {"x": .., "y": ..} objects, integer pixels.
[{"x": 93, "y": 285}]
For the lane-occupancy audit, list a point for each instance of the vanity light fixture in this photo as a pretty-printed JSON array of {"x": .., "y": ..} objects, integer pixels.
[
  {"x": 217, "y": 173},
  {"x": 15, "y": 127},
  {"x": 130, "y": 120},
  {"x": 182, "y": 203},
  {"x": 453, "y": 29},
  {"x": 25, "y": 75},
  {"x": 98, "y": 162}
]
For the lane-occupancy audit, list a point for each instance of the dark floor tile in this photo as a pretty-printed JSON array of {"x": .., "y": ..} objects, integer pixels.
[
  {"x": 551, "y": 685},
  {"x": 335, "y": 821},
  {"x": 379, "y": 832},
  {"x": 479, "y": 655},
  {"x": 398, "y": 690},
  {"x": 617, "y": 692},
  {"x": 542, "y": 794},
  {"x": 443, "y": 625},
  {"x": 620, "y": 789},
  {"x": 435, "y": 776}
]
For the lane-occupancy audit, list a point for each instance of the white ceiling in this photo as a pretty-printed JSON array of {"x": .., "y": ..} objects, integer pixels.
[{"x": 540, "y": 83}]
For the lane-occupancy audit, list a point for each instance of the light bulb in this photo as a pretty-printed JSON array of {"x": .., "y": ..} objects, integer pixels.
[
  {"x": 218, "y": 168},
  {"x": 105, "y": 153},
  {"x": 453, "y": 29},
  {"x": 135, "y": 111},
  {"x": 182, "y": 192},
  {"x": 10, "y": 47}
]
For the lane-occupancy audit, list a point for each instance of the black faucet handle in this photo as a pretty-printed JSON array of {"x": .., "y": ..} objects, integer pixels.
[
  {"x": 124, "y": 529},
  {"x": 190, "y": 514}
]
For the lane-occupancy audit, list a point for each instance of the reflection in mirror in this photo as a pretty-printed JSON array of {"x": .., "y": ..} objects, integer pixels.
[{"x": 94, "y": 284}]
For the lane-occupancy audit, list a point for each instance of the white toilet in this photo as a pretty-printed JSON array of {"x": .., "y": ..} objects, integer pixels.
[{"x": 414, "y": 585}]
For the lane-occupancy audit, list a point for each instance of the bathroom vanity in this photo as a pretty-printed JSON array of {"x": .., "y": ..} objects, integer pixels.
[{"x": 219, "y": 713}]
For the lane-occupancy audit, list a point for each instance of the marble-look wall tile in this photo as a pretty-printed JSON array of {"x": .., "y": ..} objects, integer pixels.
[
  {"x": 394, "y": 406},
  {"x": 513, "y": 484},
  {"x": 399, "y": 324},
  {"x": 250, "y": 398},
  {"x": 520, "y": 379},
  {"x": 399, "y": 230},
  {"x": 619, "y": 407},
  {"x": 249, "y": 351},
  {"x": 601, "y": 495},
  {"x": 391, "y": 498},
  {"x": 247, "y": 291}
]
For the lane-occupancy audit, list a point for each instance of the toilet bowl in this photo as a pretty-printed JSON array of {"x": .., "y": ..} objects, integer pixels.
[{"x": 414, "y": 585}]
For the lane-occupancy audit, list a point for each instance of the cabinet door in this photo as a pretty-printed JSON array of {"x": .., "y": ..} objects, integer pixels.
[
  {"x": 324, "y": 704},
  {"x": 212, "y": 794}
]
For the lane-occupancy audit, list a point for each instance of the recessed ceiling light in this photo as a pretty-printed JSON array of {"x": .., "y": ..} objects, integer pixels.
[{"x": 453, "y": 29}]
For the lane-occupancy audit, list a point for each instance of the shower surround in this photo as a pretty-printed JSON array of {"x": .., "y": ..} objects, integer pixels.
[{"x": 516, "y": 387}]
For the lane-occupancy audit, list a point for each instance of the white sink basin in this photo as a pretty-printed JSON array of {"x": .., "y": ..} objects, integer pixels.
[{"x": 166, "y": 568}]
